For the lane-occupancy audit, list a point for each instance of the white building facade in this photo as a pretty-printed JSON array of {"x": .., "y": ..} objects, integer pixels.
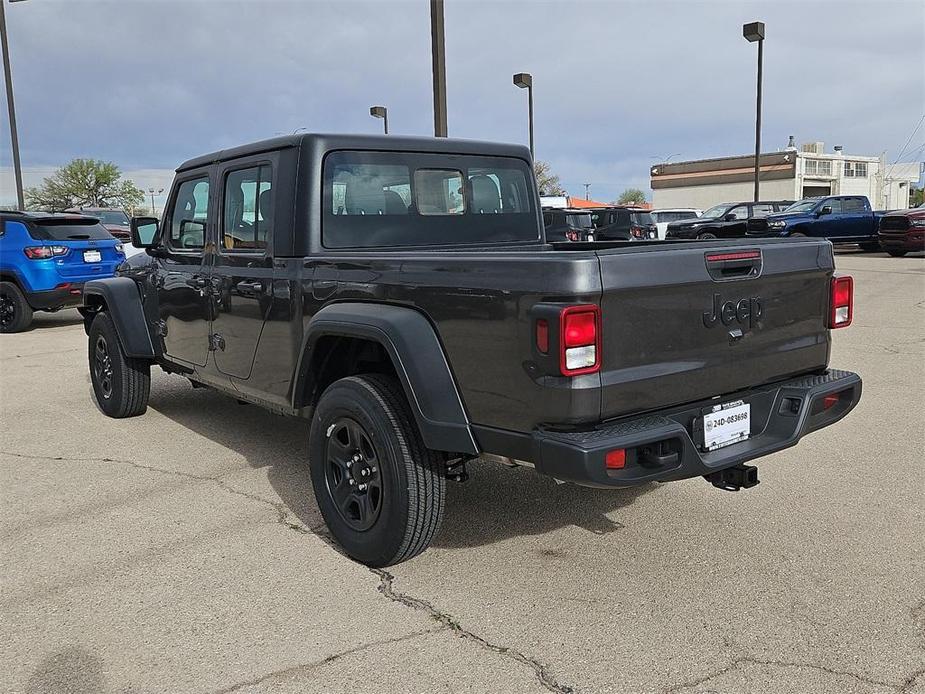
[{"x": 787, "y": 175}]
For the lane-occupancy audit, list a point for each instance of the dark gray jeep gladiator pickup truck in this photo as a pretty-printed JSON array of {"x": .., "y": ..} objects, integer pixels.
[{"x": 398, "y": 293}]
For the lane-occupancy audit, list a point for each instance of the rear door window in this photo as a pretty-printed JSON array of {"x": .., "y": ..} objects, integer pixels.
[
  {"x": 761, "y": 210},
  {"x": 247, "y": 217},
  {"x": 853, "y": 205}
]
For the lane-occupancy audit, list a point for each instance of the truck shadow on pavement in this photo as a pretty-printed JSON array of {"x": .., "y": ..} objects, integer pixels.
[{"x": 496, "y": 503}]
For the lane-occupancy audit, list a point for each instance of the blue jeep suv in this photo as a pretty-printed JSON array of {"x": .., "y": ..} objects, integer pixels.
[{"x": 45, "y": 260}]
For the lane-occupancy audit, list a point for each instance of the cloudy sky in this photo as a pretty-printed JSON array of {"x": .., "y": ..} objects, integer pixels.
[{"x": 618, "y": 84}]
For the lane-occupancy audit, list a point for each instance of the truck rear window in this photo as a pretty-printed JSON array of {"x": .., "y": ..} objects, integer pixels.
[
  {"x": 383, "y": 199},
  {"x": 68, "y": 230}
]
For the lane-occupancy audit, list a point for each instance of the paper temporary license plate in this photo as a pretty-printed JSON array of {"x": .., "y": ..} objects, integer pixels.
[
  {"x": 92, "y": 256},
  {"x": 726, "y": 424}
]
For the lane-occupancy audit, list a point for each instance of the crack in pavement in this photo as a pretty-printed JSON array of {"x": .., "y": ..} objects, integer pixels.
[
  {"x": 750, "y": 660},
  {"x": 307, "y": 667},
  {"x": 386, "y": 579},
  {"x": 385, "y": 587}
]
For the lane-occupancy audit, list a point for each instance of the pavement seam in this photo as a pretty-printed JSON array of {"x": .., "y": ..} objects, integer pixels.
[
  {"x": 308, "y": 667},
  {"x": 386, "y": 581}
]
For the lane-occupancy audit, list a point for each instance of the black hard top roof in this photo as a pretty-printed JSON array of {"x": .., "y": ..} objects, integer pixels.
[{"x": 385, "y": 143}]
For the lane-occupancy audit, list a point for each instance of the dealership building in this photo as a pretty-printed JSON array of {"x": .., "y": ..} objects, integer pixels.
[{"x": 790, "y": 174}]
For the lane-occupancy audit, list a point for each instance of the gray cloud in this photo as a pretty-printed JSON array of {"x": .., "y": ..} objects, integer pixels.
[{"x": 148, "y": 84}]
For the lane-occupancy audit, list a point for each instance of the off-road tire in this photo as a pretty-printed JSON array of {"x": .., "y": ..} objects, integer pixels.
[
  {"x": 412, "y": 479},
  {"x": 17, "y": 313},
  {"x": 798, "y": 235},
  {"x": 706, "y": 235},
  {"x": 121, "y": 384},
  {"x": 897, "y": 254}
]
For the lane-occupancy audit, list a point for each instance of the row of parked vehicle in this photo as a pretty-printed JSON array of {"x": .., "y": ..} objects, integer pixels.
[{"x": 842, "y": 219}]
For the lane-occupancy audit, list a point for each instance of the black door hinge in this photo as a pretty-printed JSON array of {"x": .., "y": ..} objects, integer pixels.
[{"x": 216, "y": 342}]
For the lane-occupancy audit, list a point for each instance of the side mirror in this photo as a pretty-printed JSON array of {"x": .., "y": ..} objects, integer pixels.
[
  {"x": 144, "y": 232},
  {"x": 826, "y": 209}
]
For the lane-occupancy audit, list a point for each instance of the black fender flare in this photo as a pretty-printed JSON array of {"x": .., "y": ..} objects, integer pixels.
[
  {"x": 419, "y": 360},
  {"x": 123, "y": 303}
]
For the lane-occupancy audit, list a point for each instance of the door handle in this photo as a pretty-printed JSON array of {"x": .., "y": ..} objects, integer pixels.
[
  {"x": 249, "y": 287},
  {"x": 197, "y": 282}
]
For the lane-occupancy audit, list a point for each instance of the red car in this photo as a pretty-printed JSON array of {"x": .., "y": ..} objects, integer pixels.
[
  {"x": 116, "y": 222},
  {"x": 903, "y": 231}
]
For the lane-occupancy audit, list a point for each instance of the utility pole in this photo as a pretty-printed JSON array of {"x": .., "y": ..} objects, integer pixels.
[
  {"x": 8, "y": 78},
  {"x": 438, "y": 53},
  {"x": 587, "y": 188}
]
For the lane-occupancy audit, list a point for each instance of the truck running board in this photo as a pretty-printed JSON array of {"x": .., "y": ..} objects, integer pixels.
[{"x": 732, "y": 479}]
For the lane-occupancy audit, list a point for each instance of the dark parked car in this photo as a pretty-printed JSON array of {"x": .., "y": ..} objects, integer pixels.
[
  {"x": 903, "y": 231},
  {"x": 725, "y": 221},
  {"x": 399, "y": 295},
  {"x": 115, "y": 221},
  {"x": 838, "y": 218},
  {"x": 623, "y": 224},
  {"x": 567, "y": 224}
]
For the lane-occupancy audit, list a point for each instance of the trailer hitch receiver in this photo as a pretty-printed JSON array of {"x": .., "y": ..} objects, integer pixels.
[{"x": 732, "y": 479}]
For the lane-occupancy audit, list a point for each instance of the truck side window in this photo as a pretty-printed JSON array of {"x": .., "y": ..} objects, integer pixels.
[
  {"x": 190, "y": 215},
  {"x": 853, "y": 205},
  {"x": 740, "y": 212},
  {"x": 834, "y": 203},
  {"x": 247, "y": 219},
  {"x": 761, "y": 210}
]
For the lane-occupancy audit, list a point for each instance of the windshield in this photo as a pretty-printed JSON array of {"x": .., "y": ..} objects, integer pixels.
[
  {"x": 802, "y": 206},
  {"x": 582, "y": 221},
  {"x": 715, "y": 212},
  {"x": 115, "y": 217},
  {"x": 68, "y": 230}
]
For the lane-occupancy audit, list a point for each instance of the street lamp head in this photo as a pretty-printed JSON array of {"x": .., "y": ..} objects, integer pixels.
[
  {"x": 377, "y": 111},
  {"x": 523, "y": 79},
  {"x": 753, "y": 31}
]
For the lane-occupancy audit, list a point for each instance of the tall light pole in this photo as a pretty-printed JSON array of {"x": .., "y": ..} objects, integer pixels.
[
  {"x": 524, "y": 80},
  {"x": 438, "y": 54},
  {"x": 383, "y": 113},
  {"x": 153, "y": 193},
  {"x": 8, "y": 79},
  {"x": 754, "y": 31}
]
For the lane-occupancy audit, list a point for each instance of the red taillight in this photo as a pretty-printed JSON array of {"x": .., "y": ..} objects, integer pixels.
[
  {"x": 615, "y": 459},
  {"x": 842, "y": 302},
  {"x": 572, "y": 236},
  {"x": 542, "y": 335},
  {"x": 637, "y": 232},
  {"x": 830, "y": 401},
  {"x": 44, "y": 252},
  {"x": 580, "y": 340}
]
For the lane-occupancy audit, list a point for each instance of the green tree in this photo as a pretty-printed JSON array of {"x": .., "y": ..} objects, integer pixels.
[
  {"x": 84, "y": 183},
  {"x": 631, "y": 196},
  {"x": 917, "y": 197},
  {"x": 546, "y": 180}
]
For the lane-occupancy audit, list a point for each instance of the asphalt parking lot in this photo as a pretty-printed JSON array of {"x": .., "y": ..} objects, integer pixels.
[{"x": 182, "y": 551}]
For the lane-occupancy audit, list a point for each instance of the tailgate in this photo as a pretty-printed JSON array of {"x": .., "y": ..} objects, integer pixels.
[{"x": 695, "y": 320}]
